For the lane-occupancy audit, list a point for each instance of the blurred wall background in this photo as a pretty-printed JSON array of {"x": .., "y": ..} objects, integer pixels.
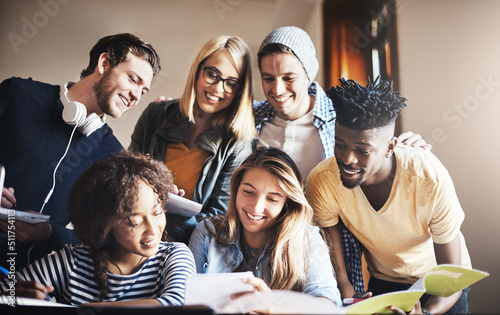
[
  {"x": 450, "y": 72},
  {"x": 449, "y": 69}
]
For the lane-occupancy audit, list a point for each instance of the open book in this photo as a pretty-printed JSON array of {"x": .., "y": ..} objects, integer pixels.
[
  {"x": 280, "y": 302},
  {"x": 442, "y": 280},
  {"x": 215, "y": 291}
]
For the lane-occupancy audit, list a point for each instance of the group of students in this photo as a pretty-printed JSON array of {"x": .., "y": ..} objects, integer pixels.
[{"x": 246, "y": 162}]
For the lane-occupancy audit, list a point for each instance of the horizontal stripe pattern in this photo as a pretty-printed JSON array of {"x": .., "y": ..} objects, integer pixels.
[{"x": 70, "y": 271}]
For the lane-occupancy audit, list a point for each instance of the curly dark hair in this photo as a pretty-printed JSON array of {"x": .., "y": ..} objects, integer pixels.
[
  {"x": 107, "y": 192},
  {"x": 118, "y": 47},
  {"x": 363, "y": 108}
]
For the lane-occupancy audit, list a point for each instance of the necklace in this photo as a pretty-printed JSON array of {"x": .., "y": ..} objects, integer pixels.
[
  {"x": 120, "y": 270},
  {"x": 250, "y": 255},
  {"x": 247, "y": 249}
]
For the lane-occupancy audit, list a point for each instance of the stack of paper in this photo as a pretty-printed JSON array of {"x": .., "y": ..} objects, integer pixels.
[{"x": 28, "y": 217}]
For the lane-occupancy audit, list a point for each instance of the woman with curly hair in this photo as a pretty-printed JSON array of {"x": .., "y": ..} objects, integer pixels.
[
  {"x": 267, "y": 230},
  {"x": 117, "y": 210}
]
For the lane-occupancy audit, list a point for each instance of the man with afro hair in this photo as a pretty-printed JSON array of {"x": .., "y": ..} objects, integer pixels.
[{"x": 398, "y": 201}]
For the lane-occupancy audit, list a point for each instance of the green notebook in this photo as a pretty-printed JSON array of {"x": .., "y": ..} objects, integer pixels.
[{"x": 442, "y": 280}]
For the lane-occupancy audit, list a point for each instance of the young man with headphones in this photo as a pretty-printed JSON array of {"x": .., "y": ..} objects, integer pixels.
[{"x": 50, "y": 134}]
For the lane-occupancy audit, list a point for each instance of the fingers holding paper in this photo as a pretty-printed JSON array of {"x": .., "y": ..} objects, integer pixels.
[
  {"x": 417, "y": 309},
  {"x": 26, "y": 232},
  {"x": 8, "y": 199},
  {"x": 178, "y": 191},
  {"x": 258, "y": 286}
]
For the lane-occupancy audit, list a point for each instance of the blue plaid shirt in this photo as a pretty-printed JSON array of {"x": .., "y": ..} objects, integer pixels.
[
  {"x": 323, "y": 113},
  {"x": 324, "y": 121}
]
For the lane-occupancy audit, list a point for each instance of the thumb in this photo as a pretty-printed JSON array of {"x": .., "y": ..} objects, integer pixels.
[{"x": 49, "y": 289}]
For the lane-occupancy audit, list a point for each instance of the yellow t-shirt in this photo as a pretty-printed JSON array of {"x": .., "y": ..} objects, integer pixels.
[
  {"x": 422, "y": 208},
  {"x": 185, "y": 164}
]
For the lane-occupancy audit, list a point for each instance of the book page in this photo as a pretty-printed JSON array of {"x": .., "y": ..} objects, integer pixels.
[
  {"x": 215, "y": 289},
  {"x": 405, "y": 300},
  {"x": 11, "y": 214},
  {"x": 281, "y": 302},
  {"x": 445, "y": 280},
  {"x": 23, "y": 301},
  {"x": 28, "y": 217}
]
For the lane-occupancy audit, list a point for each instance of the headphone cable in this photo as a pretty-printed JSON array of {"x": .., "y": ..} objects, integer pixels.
[{"x": 55, "y": 170}]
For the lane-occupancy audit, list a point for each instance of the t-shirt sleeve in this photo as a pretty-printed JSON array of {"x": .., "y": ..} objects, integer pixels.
[
  {"x": 448, "y": 215},
  {"x": 320, "y": 194}
]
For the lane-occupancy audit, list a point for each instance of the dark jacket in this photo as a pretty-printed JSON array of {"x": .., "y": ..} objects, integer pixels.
[
  {"x": 33, "y": 138},
  {"x": 161, "y": 123}
]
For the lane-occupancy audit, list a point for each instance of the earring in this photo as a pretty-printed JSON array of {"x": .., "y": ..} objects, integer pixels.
[{"x": 387, "y": 155}]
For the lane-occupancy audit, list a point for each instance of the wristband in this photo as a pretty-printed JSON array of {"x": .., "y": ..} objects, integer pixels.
[{"x": 425, "y": 311}]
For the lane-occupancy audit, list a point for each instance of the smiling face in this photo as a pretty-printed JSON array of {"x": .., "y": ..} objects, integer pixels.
[
  {"x": 259, "y": 201},
  {"x": 140, "y": 234},
  {"x": 211, "y": 98},
  {"x": 121, "y": 88},
  {"x": 285, "y": 84},
  {"x": 361, "y": 154}
]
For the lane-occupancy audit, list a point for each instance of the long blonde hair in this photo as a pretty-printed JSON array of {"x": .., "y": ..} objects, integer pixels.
[
  {"x": 238, "y": 117},
  {"x": 289, "y": 237}
]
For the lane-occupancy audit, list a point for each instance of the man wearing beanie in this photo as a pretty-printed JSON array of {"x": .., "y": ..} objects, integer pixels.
[{"x": 299, "y": 118}]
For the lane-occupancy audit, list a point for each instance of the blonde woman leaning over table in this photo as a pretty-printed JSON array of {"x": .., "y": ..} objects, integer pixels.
[{"x": 267, "y": 230}]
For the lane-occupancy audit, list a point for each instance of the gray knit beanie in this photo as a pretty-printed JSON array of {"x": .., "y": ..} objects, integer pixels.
[{"x": 300, "y": 43}]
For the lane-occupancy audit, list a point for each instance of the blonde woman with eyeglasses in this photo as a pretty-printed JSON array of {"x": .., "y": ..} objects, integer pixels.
[{"x": 206, "y": 134}]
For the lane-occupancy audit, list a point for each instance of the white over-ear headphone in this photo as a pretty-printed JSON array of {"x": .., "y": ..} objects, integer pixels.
[{"x": 75, "y": 113}]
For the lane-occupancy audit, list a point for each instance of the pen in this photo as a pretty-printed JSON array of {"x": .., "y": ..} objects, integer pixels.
[
  {"x": 349, "y": 301},
  {"x": 4, "y": 271}
]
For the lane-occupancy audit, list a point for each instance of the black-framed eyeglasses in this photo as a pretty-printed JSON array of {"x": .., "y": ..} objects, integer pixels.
[{"x": 212, "y": 76}]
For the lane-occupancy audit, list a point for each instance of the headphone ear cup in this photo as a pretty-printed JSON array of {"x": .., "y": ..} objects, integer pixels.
[
  {"x": 90, "y": 124},
  {"x": 74, "y": 113}
]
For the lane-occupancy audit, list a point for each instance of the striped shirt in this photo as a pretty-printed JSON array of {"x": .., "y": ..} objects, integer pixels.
[{"x": 70, "y": 271}]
